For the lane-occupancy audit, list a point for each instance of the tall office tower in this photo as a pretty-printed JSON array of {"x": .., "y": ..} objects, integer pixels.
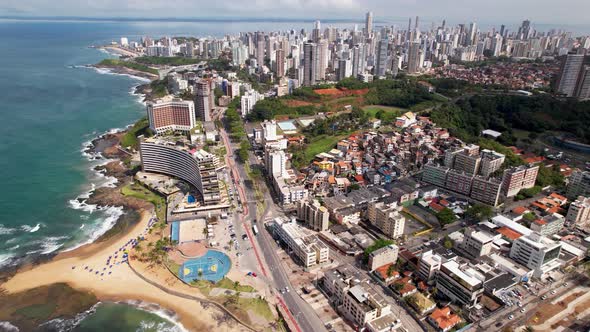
[
  {"x": 309, "y": 63},
  {"x": 414, "y": 58},
  {"x": 280, "y": 63},
  {"x": 205, "y": 50},
  {"x": 444, "y": 23},
  {"x": 381, "y": 62},
  {"x": 203, "y": 99},
  {"x": 472, "y": 33},
  {"x": 260, "y": 48},
  {"x": 251, "y": 42},
  {"x": 322, "y": 59},
  {"x": 369, "y": 23},
  {"x": 502, "y": 28},
  {"x": 409, "y": 36},
  {"x": 315, "y": 33},
  {"x": 569, "y": 74},
  {"x": 417, "y": 24}
]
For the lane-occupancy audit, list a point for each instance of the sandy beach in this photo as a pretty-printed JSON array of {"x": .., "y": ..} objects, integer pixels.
[{"x": 121, "y": 284}]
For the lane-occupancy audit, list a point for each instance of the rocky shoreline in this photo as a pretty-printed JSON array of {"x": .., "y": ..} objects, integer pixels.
[{"x": 127, "y": 71}]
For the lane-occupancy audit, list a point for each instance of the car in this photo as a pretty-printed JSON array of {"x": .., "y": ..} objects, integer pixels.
[
  {"x": 553, "y": 292},
  {"x": 565, "y": 284},
  {"x": 254, "y": 274},
  {"x": 244, "y": 237},
  {"x": 498, "y": 324},
  {"x": 511, "y": 317},
  {"x": 287, "y": 289},
  {"x": 519, "y": 304},
  {"x": 522, "y": 310},
  {"x": 543, "y": 297}
]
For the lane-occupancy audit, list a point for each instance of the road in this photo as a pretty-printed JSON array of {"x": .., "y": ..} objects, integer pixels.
[{"x": 302, "y": 315}]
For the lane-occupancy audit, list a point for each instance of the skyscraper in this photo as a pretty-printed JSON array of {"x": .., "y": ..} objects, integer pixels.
[
  {"x": 260, "y": 48},
  {"x": 203, "y": 100},
  {"x": 315, "y": 33},
  {"x": 322, "y": 59},
  {"x": 309, "y": 63},
  {"x": 381, "y": 62},
  {"x": 569, "y": 74},
  {"x": 414, "y": 58},
  {"x": 280, "y": 72},
  {"x": 369, "y": 23}
]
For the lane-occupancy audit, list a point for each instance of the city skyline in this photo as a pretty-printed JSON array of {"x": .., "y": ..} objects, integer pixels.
[{"x": 545, "y": 12}]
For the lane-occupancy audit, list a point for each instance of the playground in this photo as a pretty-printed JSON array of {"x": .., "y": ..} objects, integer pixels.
[{"x": 212, "y": 266}]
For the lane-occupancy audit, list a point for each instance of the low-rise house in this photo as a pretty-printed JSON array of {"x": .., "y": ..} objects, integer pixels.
[{"x": 443, "y": 319}]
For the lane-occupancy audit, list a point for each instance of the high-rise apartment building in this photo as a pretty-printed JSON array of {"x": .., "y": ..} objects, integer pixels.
[
  {"x": 572, "y": 75},
  {"x": 322, "y": 59},
  {"x": 260, "y": 48},
  {"x": 204, "y": 99},
  {"x": 369, "y": 23},
  {"x": 414, "y": 58},
  {"x": 280, "y": 63},
  {"x": 175, "y": 115},
  {"x": 579, "y": 212},
  {"x": 310, "y": 64},
  {"x": 579, "y": 184},
  {"x": 314, "y": 214},
  {"x": 387, "y": 218},
  {"x": 518, "y": 178},
  {"x": 381, "y": 62}
]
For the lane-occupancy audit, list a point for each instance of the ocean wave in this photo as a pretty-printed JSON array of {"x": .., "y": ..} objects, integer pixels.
[
  {"x": 107, "y": 71},
  {"x": 160, "y": 312},
  {"x": 6, "y": 326},
  {"x": 111, "y": 215},
  {"x": 31, "y": 229},
  {"x": 61, "y": 324},
  {"x": 5, "y": 259},
  {"x": 6, "y": 230},
  {"x": 140, "y": 97},
  {"x": 14, "y": 248}
]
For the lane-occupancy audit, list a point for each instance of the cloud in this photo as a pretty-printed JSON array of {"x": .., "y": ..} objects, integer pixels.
[{"x": 500, "y": 11}]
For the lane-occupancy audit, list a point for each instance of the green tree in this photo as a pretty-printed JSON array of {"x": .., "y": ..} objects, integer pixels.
[
  {"x": 446, "y": 216},
  {"x": 479, "y": 212},
  {"x": 448, "y": 243}
]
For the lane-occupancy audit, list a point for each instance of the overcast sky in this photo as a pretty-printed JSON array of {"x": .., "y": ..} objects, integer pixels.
[{"x": 509, "y": 11}]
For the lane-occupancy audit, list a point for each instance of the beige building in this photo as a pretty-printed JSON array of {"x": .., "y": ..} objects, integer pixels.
[
  {"x": 308, "y": 249},
  {"x": 517, "y": 178},
  {"x": 387, "y": 218},
  {"x": 579, "y": 212},
  {"x": 314, "y": 214},
  {"x": 363, "y": 304},
  {"x": 383, "y": 256}
]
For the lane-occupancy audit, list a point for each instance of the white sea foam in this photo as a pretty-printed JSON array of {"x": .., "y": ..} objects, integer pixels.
[
  {"x": 6, "y": 230},
  {"x": 6, "y": 326},
  {"x": 160, "y": 312},
  {"x": 111, "y": 215},
  {"x": 15, "y": 247},
  {"x": 5, "y": 259},
  {"x": 60, "y": 324},
  {"x": 31, "y": 229},
  {"x": 107, "y": 71}
]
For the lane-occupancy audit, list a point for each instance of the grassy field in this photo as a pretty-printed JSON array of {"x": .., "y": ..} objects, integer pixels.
[
  {"x": 140, "y": 192},
  {"x": 321, "y": 144},
  {"x": 230, "y": 284},
  {"x": 130, "y": 138},
  {"x": 371, "y": 110}
]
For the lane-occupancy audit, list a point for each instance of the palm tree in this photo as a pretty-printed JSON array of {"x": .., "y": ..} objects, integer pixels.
[{"x": 236, "y": 284}]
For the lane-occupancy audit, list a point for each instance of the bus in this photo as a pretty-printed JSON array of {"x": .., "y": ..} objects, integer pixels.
[{"x": 255, "y": 229}]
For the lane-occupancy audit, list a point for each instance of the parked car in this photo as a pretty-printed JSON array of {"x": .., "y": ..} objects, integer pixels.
[{"x": 511, "y": 317}]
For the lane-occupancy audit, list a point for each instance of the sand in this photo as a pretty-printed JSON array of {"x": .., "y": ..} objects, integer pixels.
[{"x": 121, "y": 284}]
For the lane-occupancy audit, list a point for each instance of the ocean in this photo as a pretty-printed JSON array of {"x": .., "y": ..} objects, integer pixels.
[{"x": 52, "y": 107}]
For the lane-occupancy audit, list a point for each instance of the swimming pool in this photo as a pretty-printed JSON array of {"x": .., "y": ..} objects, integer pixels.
[{"x": 212, "y": 266}]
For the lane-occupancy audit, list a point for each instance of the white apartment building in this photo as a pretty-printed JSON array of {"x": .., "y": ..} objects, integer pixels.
[
  {"x": 478, "y": 243},
  {"x": 314, "y": 214},
  {"x": 383, "y": 256},
  {"x": 579, "y": 212},
  {"x": 537, "y": 253},
  {"x": 362, "y": 304},
  {"x": 387, "y": 218},
  {"x": 460, "y": 282},
  {"x": 309, "y": 249}
]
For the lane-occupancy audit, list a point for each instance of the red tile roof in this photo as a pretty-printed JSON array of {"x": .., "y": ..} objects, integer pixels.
[
  {"x": 382, "y": 272},
  {"x": 444, "y": 318},
  {"x": 520, "y": 210},
  {"x": 509, "y": 233}
]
